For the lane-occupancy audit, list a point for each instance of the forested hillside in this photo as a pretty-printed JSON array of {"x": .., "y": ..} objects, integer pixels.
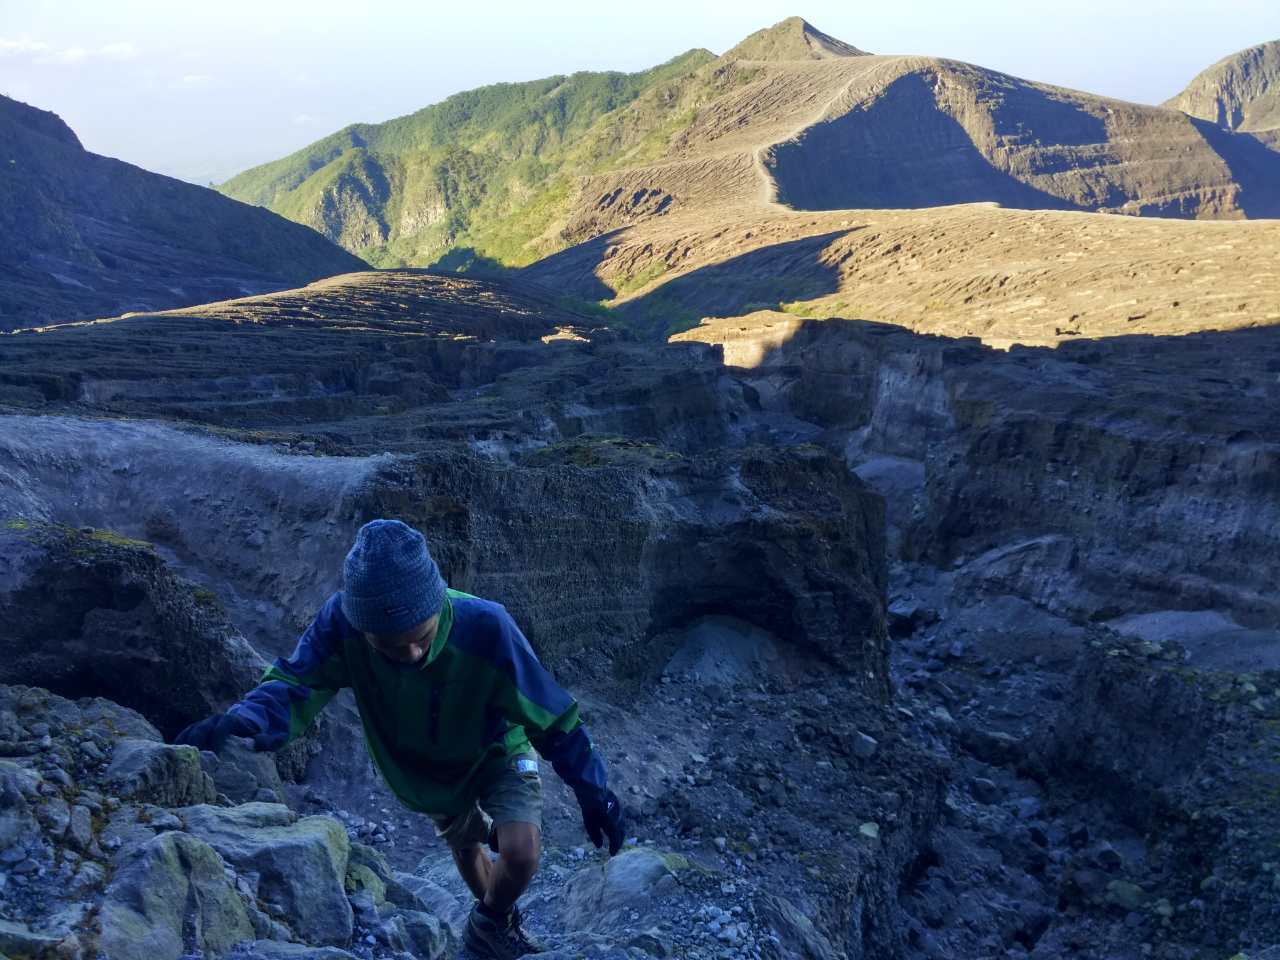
[{"x": 487, "y": 171}]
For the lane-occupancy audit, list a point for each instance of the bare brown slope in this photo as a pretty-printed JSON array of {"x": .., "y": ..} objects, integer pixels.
[
  {"x": 1239, "y": 92},
  {"x": 701, "y": 233},
  {"x": 908, "y": 132},
  {"x": 85, "y": 235},
  {"x": 1002, "y": 275}
]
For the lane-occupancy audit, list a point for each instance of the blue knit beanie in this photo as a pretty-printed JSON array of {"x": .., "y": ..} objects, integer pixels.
[{"x": 390, "y": 584}]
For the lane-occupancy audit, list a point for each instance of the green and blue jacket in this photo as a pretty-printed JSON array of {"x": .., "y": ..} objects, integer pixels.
[{"x": 438, "y": 729}]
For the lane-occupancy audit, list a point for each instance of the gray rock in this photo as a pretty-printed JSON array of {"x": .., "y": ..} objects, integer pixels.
[
  {"x": 442, "y": 873},
  {"x": 653, "y": 942},
  {"x": 17, "y": 825},
  {"x": 397, "y": 916},
  {"x": 276, "y": 950},
  {"x": 234, "y": 821},
  {"x": 596, "y": 897},
  {"x": 88, "y": 880},
  {"x": 13, "y": 855},
  {"x": 55, "y": 816},
  {"x": 434, "y": 898},
  {"x": 17, "y": 941},
  {"x": 165, "y": 821},
  {"x": 159, "y": 773},
  {"x": 173, "y": 892},
  {"x": 242, "y": 773},
  {"x": 863, "y": 746},
  {"x": 991, "y": 746},
  {"x": 302, "y": 864},
  {"x": 367, "y": 869},
  {"x": 794, "y": 930},
  {"x": 265, "y": 928},
  {"x": 80, "y": 830},
  {"x": 904, "y": 616},
  {"x": 431, "y": 937},
  {"x": 109, "y": 719},
  {"x": 985, "y": 791},
  {"x": 22, "y": 779}
]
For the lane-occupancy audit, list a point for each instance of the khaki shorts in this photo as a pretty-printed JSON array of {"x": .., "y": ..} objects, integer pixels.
[{"x": 512, "y": 795}]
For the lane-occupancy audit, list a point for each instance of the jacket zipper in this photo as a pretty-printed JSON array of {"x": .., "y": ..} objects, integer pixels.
[{"x": 433, "y": 717}]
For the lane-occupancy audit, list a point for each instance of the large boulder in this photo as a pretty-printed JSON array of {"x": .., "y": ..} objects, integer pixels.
[
  {"x": 793, "y": 929},
  {"x": 301, "y": 864},
  {"x": 244, "y": 774},
  {"x": 159, "y": 773},
  {"x": 18, "y": 786},
  {"x": 389, "y": 904},
  {"x": 598, "y": 897},
  {"x": 95, "y": 614},
  {"x": 173, "y": 900}
]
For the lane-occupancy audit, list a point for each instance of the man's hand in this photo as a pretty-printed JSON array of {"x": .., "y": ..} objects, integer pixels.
[
  {"x": 211, "y": 733},
  {"x": 603, "y": 818}
]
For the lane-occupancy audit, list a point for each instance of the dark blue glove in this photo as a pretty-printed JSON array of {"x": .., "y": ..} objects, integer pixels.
[
  {"x": 211, "y": 733},
  {"x": 602, "y": 816}
]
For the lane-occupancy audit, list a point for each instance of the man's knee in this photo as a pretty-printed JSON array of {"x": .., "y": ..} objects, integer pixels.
[
  {"x": 521, "y": 846},
  {"x": 466, "y": 854}
]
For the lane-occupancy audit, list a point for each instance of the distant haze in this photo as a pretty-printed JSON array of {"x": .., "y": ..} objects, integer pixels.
[{"x": 202, "y": 91}]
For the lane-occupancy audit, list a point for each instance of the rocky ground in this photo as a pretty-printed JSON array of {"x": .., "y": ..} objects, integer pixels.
[
  {"x": 895, "y": 645},
  {"x": 771, "y": 808}
]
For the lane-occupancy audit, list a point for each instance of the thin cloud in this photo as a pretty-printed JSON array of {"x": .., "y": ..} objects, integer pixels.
[
  {"x": 25, "y": 45},
  {"x": 43, "y": 53},
  {"x": 70, "y": 55},
  {"x": 196, "y": 79}
]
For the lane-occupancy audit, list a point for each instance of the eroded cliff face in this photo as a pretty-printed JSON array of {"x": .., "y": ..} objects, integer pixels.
[
  {"x": 604, "y": 553},
  {"x": 1157, "y": 476},
  {"x": 91, "y": 613}
]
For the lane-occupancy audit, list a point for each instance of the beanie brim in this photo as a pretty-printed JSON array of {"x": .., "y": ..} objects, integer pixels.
[{"x": 397, "y": 612}]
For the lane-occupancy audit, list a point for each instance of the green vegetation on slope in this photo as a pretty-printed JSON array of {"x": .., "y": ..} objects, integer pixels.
[{"x": 479, "y": 181}]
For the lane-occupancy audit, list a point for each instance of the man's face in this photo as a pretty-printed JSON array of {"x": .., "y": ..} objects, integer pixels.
[{"x": 408, "y": 647}]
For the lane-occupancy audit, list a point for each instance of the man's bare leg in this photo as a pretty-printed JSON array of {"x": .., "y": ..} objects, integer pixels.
[
  {"x": 474, "y": 867},
  {"x": 521, "y": 852},
  {"x": 499, "y": 883}
]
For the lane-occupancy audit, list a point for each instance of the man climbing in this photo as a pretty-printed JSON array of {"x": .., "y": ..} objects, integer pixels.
[{"x": 452, "y": 700}]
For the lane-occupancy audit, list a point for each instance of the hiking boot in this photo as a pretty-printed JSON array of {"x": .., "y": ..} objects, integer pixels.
[{"x": 500, "y": 939}]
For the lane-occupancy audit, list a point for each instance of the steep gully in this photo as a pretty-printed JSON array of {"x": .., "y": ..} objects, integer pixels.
[{"x": 1039, "y": 505}]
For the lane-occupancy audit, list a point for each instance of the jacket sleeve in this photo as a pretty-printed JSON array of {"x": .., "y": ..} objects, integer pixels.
[
  {"x": 294, "y": 691},
  {"x": 528, "y": 695}
]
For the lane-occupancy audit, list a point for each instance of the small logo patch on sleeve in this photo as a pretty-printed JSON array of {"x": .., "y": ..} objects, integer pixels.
[{"x": 527, "y": 766}]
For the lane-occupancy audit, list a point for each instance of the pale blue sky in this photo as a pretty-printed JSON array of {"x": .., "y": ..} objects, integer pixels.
[{"x": 203, "y": 90}]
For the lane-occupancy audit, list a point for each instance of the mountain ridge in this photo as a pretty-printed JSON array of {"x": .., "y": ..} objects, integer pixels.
[
  {"x": 1239, "y": 92},
  {"x": 790, "y": 117},
  {"x": 83, "y": 235}
]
